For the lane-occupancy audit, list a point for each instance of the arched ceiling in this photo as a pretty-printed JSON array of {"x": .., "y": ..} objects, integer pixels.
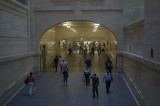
[
  {"x": 84, "y": 26},
  {"x": 74, "y": 30}
]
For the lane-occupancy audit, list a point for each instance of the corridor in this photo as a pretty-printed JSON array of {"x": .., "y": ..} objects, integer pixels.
[{"x": 50, "y": 91}]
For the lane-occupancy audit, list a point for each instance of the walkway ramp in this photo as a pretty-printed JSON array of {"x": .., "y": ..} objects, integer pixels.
[{"x": 50, "y": 91}]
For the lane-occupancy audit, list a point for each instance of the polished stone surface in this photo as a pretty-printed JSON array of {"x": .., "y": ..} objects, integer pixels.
[{"x": 50, "y": 91}]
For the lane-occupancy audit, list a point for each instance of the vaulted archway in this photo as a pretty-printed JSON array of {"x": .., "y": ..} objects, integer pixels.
[{"x": 76, "y": 34}]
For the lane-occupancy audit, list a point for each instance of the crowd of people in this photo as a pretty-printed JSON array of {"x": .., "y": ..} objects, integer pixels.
[
  {"x": 87, "y": 75},
  {"x": 84, "y": 48},
  {"x": 95, "y": 80}
]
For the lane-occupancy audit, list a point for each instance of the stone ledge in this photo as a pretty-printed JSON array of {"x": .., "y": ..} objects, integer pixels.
[
  {"x": 151, "y": 63},
  {"x": 17, "y": 56}
]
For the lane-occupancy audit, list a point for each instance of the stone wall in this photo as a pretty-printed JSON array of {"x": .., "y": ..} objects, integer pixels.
[
  {"x": 16, "y": 57},
  {"x": 133, "y": 10},
  {"x": 134, "y": 38},
  {"x": 152, "y": 30},
  {"x": 141, "y": 58},
  {"x": 108, "y": 14},
  {"x": 13, "y": 71},
  {"x": 13, "y": 28},
  {"x": 143, "y": 76}
]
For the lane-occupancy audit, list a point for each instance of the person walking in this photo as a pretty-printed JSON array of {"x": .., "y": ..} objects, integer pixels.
[
  {"x": 95, "y": 84},
  {"x": 70, "y": 50},
  {"x": 108, "y": 78},
  {"x": 56, "y": 59},
  {"x": 31, "y": 83},
  {"x": 92, "y": 50},
  {"x": 108, "y": 64},
  {"x": 64, "y": 65},
  {"x": 60, "y": 61},
  {"x": 88, "y": 63},
  {"x": 65, "y": 77},
  {"x": 86, "y": 74}
]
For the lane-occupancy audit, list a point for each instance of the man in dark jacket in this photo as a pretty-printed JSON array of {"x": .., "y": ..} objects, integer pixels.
[
  {"x": 56, "y": 59},
  {"x": 88, "y": 63},
  {"x": 95, "y": 84},
  {"x": 108, "y": 64}
]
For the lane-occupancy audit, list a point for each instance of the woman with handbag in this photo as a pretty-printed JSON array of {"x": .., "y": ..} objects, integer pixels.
[{"x": 31, "y": 83}]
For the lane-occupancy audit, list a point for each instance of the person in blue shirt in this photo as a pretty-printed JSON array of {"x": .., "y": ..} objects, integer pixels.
[{"x": 108, "y": 78}]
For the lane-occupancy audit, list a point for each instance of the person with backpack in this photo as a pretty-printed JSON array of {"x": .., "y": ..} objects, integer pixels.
[
  {"x": 108, "y": 78},
  {"x": 108, "y": 64}
]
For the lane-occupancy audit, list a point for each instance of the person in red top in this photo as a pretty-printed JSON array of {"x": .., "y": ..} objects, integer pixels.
[{"x": 31, "y": 83}]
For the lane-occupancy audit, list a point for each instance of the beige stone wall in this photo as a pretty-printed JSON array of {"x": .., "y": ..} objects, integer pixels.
[
  {"x": 13, "y": 28},
  {"x": 134, "y": 38},
  {"x": 133, "y": 10},
  {"x": 109, "y": 15},
  {"x": 141, "y": 69},
  {"x": 152, "y": 30},
  {"x": 16, "y": 56},
  {"x": 13, "y": 71},
  {"x": 143, "y": 76}
]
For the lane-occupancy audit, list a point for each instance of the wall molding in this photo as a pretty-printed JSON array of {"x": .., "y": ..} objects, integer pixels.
[
  {"x": 17, "y": 56},
  {"x": 151, "y": 63},
  {"x": 14, "y": 8}
]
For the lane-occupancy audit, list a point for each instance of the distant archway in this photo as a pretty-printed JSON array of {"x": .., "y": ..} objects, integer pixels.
[{"x": 73, "y": 34}]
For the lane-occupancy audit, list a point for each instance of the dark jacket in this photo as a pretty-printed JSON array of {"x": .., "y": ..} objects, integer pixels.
[{"x": 95, "y": 82}]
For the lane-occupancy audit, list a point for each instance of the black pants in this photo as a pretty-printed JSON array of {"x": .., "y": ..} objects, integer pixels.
[
  {"x": 110, "y": 69},
  {"x": 108, "y": 84},
  {"x": 95, "y": 91},
  {"x": 56, "y": 66},
  {"x": 65, "y": 79},
  {"x": 87, "y": 79}
]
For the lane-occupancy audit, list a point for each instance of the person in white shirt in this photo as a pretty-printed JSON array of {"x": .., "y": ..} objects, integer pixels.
[
  {"x": 60, "y": 61},
  {"x": 64, "y": 65}
]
